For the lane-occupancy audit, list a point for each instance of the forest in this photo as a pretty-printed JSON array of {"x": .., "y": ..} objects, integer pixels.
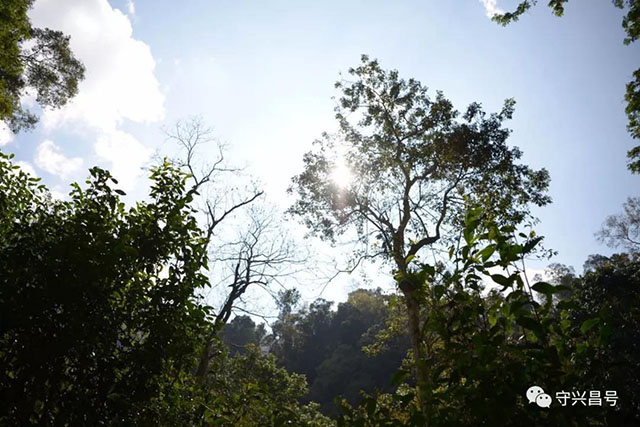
[{"x": 187, "y": 304}]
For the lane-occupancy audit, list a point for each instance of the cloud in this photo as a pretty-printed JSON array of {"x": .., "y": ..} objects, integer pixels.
[
  {"x": 6, "y": 136},
  {"x": 120, "y": 83},
  {"x": 57, "y": 194},
  {"x": 131, "y": 8},
  {"x": 491, "y": 7},
  {"x": 126, "y": 154},
  {"x": 49, "y": 159}
]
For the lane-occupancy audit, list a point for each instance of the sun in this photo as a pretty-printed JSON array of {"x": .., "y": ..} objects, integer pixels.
[{"x": 341, "y": 174}]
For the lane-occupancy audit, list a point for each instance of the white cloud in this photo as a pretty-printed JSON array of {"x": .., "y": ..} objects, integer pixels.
[
  {"x": 131, "y": 8},
  {"x": 6, "y": 136},
  {"x": 27, "y": 168},
  {"x": 119, "y": 84},
  {"x": 491, "y": 7},
  {"x": 49, "y": 159},
  {"x": 57, "y": 194},
  {"x": 126, "y": 154}
]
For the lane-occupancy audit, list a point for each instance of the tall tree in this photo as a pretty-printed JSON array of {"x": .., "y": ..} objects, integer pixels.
[
  {"x": 400, "y": 171},
  {"x": 33, "y": 58},
  {"x": 259, "y": 256},
  {"x": 631, "y": 25}
]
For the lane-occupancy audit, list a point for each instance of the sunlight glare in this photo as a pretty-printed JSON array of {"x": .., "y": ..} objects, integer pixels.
[{"x": 341, "y": 175}]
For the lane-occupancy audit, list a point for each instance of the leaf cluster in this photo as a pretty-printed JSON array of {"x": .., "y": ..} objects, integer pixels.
[
  {"x": 484, "y": 349},
  {"x": 37, "y": 59}
]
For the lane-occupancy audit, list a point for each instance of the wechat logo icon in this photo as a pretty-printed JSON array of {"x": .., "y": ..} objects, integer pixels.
[{"x": 536, "y": 394}]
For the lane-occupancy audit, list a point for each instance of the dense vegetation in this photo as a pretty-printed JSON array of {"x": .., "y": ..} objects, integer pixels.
[
  {"x": 103, "y": 319},
  {"x": 100, "y": 310}
]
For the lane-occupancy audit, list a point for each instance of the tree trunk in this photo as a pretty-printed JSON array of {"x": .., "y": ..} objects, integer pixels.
[
  {"x": 421, "y": 372},
  {"x": 203, "y": 366}
]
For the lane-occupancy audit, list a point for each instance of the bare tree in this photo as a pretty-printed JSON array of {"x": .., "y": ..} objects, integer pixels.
[
  {"x": 623, "y": 230},
  {"x": 259, "y": 256},
  {"x": 262, "y": 256},
  {"x": 190, "y": 135}
]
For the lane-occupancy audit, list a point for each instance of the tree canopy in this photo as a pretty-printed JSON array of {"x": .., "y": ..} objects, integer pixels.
[
  {"x": 33, "y": 58},
  {"x": 414, "y": 161},
  {"x": 417, "y": 164},
  {"x": 97, "y": 300},
  {"x": 328, "y": 347},
  {"x": 102, "y": 318}
]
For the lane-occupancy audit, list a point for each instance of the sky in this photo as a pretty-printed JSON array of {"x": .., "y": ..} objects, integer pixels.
[{"x": 261, "y": 74}]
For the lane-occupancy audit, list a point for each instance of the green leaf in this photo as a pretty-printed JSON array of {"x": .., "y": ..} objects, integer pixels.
[
  {"x": 486, "y": 253},
  {"x": 568, "y": 305},
  {"x": 605, "y": 334},
  {"x": 502, "y": 280},
  {"x": 529, "y": 245},
  {"x": 545, "y": 288},
  {"x": 398, "y": 377},
  {"x": 531, "y": 324},
  {"x": 493, "y": 318},
  {"x": 588, "y": 324}
]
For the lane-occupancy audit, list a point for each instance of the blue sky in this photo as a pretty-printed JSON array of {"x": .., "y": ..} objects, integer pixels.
[{"x": 262, "y": 73}]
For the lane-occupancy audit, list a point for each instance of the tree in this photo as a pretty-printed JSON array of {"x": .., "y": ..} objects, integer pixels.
[
  {"x": 631, "y": 25},
  {"x": 240, "y": 332},
  {"x": 623, "y": 230},
  {"x": 99, "y": 313},
  {"x": 488, "y": 349},
  {"x": 560, "y": 275},
  {"x": 102, "y": 318},
  {"x": 328, "y": 347},
  {"x": 190, "y": 136},
  {"x": 414, "y": 161},
  {"x": 594, "y": 262},
  {"x": 250, "y": 390},
  {"x": 33, "y": 58},
  {"x": 610, "y": 291},
  {"x": 260, "y": 255}
]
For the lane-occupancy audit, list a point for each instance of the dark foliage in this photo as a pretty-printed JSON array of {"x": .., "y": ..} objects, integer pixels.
[
  {"x": 97, "y": 301},
  {"x": 327, "y": 347}
]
